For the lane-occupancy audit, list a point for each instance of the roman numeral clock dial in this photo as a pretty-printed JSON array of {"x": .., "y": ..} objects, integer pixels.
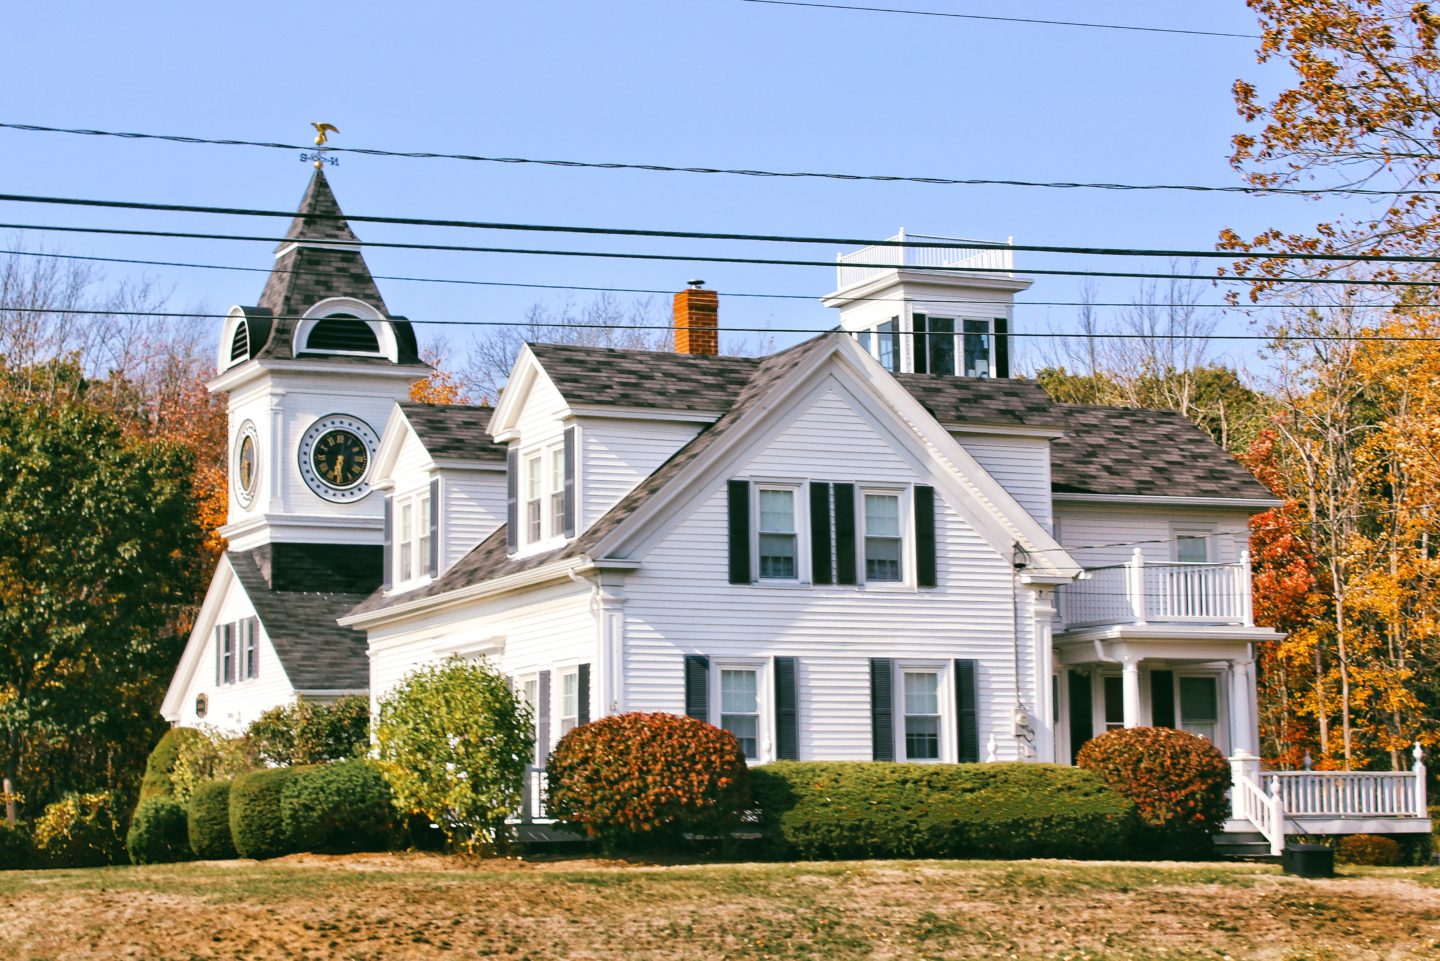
[{"x": 335, "y": 456}]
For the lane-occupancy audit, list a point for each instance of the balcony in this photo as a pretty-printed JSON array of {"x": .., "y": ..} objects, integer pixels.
[
  {"x": 867, "y": 263},
  {"x": 1143, "y": 592}
]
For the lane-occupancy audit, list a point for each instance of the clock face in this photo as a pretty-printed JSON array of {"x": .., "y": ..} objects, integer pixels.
[
  {"x": 335, "y": 456},
  {"x": 246, "y": 464}
]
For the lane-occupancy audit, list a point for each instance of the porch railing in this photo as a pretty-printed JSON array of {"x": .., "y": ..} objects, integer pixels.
[
  {"x": 869, "y": 262},
  {"x": 1147, "y": 592},
  {"x": 532, "y": 796}
]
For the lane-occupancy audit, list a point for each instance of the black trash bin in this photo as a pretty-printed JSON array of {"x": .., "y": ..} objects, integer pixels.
[{"x": 1308, "y": 860}]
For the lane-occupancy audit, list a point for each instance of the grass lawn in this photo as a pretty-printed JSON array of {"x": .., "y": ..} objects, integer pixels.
[{"x": 421, "y": 906}]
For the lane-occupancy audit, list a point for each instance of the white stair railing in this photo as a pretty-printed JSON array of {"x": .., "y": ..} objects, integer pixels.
[{"x": 1250, "y": 802}]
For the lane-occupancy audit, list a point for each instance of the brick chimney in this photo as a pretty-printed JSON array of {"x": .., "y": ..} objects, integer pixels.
[{"x": 697, "y": 320}]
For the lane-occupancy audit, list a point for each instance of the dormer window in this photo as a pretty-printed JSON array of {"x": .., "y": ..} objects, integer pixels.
[
  {"x": 344, "y": 334},
  {"x": 541, "y": 508},
  {"x": 345, "y": 327},
  {"x": 240, "y": 343}
]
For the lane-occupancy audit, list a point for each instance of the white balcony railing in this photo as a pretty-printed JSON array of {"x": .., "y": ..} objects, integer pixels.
[
  {"x": 1145, "y": 592},
  {"x": 974, "y": 255}
]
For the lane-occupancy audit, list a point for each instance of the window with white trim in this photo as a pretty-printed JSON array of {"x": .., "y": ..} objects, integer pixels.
[
  {"x": 920, "y": 690},
  {"x": 412, "y": 541},
  {"x": 965, "y": 347},
  {"x": 556, "y": 488},
  {"x": 249, "y": 649},
  {"x": 777, "y": 533},
  {"x": 884, "y": 537},
  {"x": 533, "y": 504},
  {"x": 1199, "y": 703},
  {"x": 225, "y": 638},
  {"x": 740, "y": 707},
  {"x": 569, "y": 701},
  {"x": 405, "y": 553},
  {"x": 530, "y": 696},
  {"x": 1113, "y": 702},
  {"x": 1192, "y": 547},
  {"x": 883, "y": 343},
  {"x": 422, "y": 541}
]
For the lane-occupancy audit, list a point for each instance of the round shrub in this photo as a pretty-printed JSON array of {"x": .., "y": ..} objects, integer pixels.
[
  {"x": 158, "y": 833},
  {"x": 347, "y": 806},
  {"x": 1371, "y": 849},
  {"x": 307, "y": 732},
  {"x": 257, "y": 827},
  {"x": 861, "y": 809},
  {"x": 453, "y": 741},
  {"x": 643, "y": 778},
  {"x": 80, "y": 831},
  {"x": 161, "y": 762},
  {"x": 1177, "y": 780},
  {"x": 17, "y": 849},
  {"x": 208, "y": 821}
]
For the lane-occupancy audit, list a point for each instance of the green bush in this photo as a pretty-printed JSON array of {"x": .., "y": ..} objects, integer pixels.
[
  {"x": 863, "y": 809},
  {"x": 641, "y": 779},
  {"x": 17, "y": 849},
  {"x": 309, "y": 733},
  {"x": 347, "y": 806},
  {"x": 453, "y": 741},
  {"x": 1178, "y": 781},
  {"x": 161, "y": 763},
  {"x": 257, "y": 827},
  {"x": 80, "y": 831},
  {"x": 1372, "y": 849},
  {"x": 212, "y": 755},
  {"x": 158, "y": 833},
  {"x": 208, "y": 821}
]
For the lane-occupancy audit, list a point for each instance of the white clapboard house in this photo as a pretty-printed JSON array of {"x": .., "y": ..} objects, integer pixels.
[{"x": 873, "y": 545}]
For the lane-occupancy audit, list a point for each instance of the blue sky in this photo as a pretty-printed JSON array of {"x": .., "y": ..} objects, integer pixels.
[{"x": 707, "y": 82}]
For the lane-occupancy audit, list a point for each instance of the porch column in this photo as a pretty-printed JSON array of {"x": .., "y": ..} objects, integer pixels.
[
  {"x": 1242, "y": 705},
  {"x": 609, "y": 611},
  {"x": 1043, "y": 721},
  {"x": 1131, "y": 681}
]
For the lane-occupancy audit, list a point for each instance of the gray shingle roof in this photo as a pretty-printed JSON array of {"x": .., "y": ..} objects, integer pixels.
[
  {"x": 1137, "y": 452},
  {"x": 976, "y": 400},
  {"x": 605, "y": 376},
  {"x": 455, "y": 431},
  {"x": 317, "y": 653}
]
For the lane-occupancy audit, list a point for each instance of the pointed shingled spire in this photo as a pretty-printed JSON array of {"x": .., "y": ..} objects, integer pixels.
[{"x": 319, "y": 217}]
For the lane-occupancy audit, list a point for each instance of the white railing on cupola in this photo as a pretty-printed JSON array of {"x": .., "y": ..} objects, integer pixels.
[
  {"x": 867, "y": 263},
  {"x": 1172, "y": 592}
]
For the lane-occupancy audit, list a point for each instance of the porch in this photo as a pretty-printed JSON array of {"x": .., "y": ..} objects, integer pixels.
[{"x": 1142, "y": 592}]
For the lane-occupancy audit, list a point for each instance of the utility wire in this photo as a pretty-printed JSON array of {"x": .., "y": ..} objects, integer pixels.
[
  {"x": 1029, "y": 20},
  {"x": 727, "y": 171}
]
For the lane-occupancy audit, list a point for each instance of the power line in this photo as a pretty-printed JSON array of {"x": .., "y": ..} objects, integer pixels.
[
  {"x": 1029, "y": 20},
  {"x": 726, "y": 171}
]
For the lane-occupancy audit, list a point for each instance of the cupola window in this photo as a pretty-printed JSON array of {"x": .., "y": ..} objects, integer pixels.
[
  {"x": 240, "y": 343},
  {"x": 342, "y": 333}
]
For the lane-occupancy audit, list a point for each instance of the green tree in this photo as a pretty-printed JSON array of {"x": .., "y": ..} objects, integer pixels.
[{"x": 98, "y": 537}]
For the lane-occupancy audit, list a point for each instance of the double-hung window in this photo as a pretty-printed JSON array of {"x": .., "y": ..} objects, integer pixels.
[
  {"x": 556, "y": 487},
  {"x": 740, "y": 707},
  {"x": 778, "y": 542},
  {"x": 921, "y": 691},
  {"x": 569, "y": 701},
  {"x": 407, "y": 541},
  {"x": 1199, "y": 706},
  {"x": 412, "y": 547},
  {"x": 249, "y": 649},
  {"x": 225, "y": 639},
  {"x": 533, "y": 503},
  {"x": 977, "y": 348},
  {"x": 883, "y": 538},
  {"x": 530, "y": 693}
]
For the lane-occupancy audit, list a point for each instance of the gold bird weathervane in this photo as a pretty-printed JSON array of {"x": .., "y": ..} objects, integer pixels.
[{"x": 322, "y": 136}]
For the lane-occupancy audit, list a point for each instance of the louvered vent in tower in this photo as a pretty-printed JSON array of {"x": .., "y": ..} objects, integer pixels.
[
  {"x": 343, "y": 332},
  {"x": 240, "y": 343}
]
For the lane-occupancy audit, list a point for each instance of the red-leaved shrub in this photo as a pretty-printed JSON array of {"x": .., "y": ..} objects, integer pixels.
[
  {"x": 1177, "y": 780},
  {"x": 647, "y": 779},
  {"x": 1371, "y": 849}
]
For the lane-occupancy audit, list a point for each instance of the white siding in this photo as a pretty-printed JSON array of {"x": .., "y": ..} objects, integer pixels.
[
  {"x": 473, "y": 509},
  {"x": 616, "y": 455},
  {"x": 680, "y": 602},
  {"x": 1020, "y": 464},
  {"x": 1099, "y": 536},
  {"x": 412, "y": 463}
]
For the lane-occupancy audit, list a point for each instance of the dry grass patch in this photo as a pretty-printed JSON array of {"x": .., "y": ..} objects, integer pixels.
[{"x": 404, "y": 907}]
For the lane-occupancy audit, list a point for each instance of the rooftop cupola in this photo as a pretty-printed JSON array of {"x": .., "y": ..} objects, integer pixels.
[{"x": 930, "y": 305}]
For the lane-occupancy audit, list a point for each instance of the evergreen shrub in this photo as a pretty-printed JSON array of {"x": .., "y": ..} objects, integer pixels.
[
  {"x": 208, "y": 821},
  {"x": 257, "y": 826},
  {"x": 80, "y": 831},
  {"x": 644, "y": 779},
  {"x": 864, "y": 809},
  {"x": 346, "y": 806},
  {"x": 161, "y": 762},
  {"x": 1372, "y": 849},
  {"x": 17, "y": 848},
  {"x": 158, "y": 833}
]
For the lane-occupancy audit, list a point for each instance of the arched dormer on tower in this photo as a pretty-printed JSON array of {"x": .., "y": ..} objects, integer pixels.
[
  {"x": 242, "y": 335},
  {"x": 346, "y": 327}
]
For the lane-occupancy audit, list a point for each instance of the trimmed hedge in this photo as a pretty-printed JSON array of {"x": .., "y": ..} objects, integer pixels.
[
  {"x": 161, "y": 762},
  {"x": 257, "y": 827},
  {"x": 158, "y": 833},
  {"x": 340, "y": 807},
  {"x": 648, "y": 778},
  {"x": 208, "y": 821},
  {"x": 865, "y": 809},
  {"x": 17, "y": 849},
  {"x": 79, "y": 831}
]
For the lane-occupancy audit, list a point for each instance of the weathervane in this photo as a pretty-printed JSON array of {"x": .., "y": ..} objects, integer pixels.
[{"x": 321, "y": 155}]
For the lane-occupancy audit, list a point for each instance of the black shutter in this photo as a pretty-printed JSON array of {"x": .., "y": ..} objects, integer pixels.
[
  {"x": 1081, "y": 712},
  {"x": 569, "y": 481},
  {"x": 882, "y": 709},
  {"x": 1162, "y": 698},
  {"x": 583, "y": 694},
  {"x": 787, "y": 717},
  {"x": 542, "y": 721},
  {"x": 434, "y": 520},
  {"x": 512, "y": 503},
  {"x": 967, "y": 712},
  {"x": 845, "y": 534},
  {"x": 697, "y": 686},
  {"x": 1002, "y": 347},
  {"x": 922, "y": 353},
  {"x": 925, "y": 536},
  {"x": 738, "y": 496},
  {"x": 820, "y": 560},
  {"x": 387, "y": 576}
]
